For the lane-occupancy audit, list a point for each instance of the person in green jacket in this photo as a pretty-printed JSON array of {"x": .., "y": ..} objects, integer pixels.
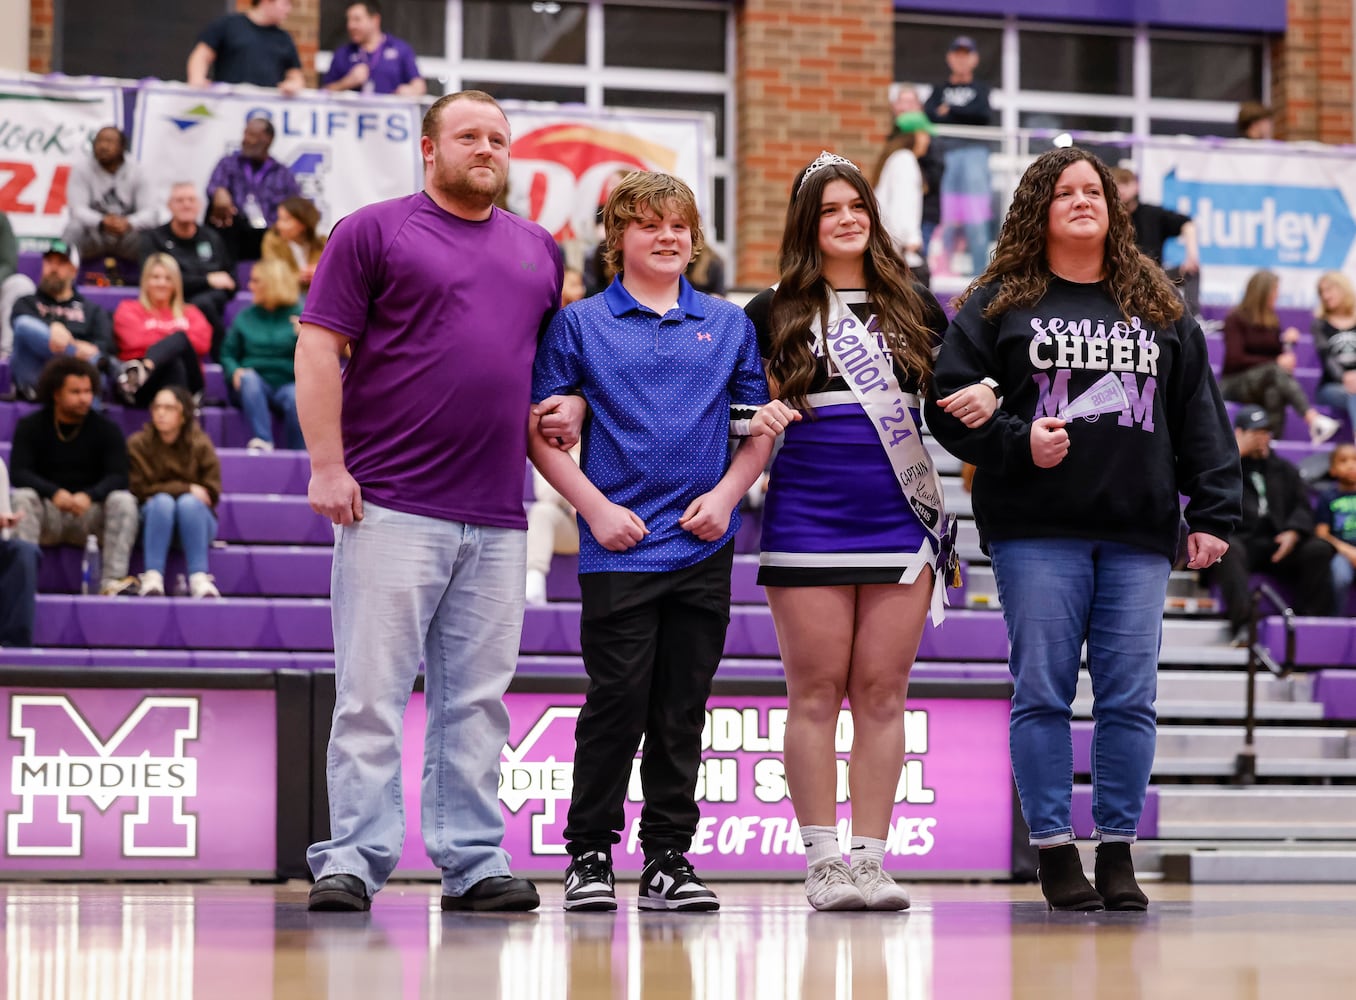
[{"x": 256, "y": 356}]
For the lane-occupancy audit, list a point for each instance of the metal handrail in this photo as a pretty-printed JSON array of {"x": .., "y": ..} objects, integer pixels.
[{"x": 1245, "y": 764}]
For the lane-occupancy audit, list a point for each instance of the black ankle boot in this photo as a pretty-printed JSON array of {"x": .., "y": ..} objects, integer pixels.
[
  {"x": 1063, "y": 882},
  {"x": 1115, "y": 877}
]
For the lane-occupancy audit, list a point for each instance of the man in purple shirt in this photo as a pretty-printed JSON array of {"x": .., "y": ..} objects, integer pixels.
[
  {"x": 373, "y": 62},
  {"x": 246, "y": 189},
  {"x": 417, "y": 456}
]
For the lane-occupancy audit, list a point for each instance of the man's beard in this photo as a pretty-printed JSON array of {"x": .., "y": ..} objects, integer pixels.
[
  {"x": 467, "y": 189},
  {"x": 52, "y": 286}
]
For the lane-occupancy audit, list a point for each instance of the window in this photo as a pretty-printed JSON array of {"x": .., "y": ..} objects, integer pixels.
[
  {"x": 669, "y": 100},
  {"x": 1205, "y": 70},
  {"x": 527, "y": 91},
  {"x": 664, "y": 38},
  {"x": 920, "y": 50},
  {"x": 539, "y": 31},
  {"x": 1179, "y": 126},
  {"x": 419, "y": 22},
  {"x": 1078, "y": 62}
]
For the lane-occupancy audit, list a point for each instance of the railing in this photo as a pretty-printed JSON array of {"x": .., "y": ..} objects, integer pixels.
[{"x": 1245, "y": 765}]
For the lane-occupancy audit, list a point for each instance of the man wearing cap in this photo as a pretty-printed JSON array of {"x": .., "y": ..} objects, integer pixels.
[
  {"x": 110, "y": 201},
  {"x": 967, "y": 193},
  {"x": 1276, "y": 535},
  {"x": 57, "y": 320}
]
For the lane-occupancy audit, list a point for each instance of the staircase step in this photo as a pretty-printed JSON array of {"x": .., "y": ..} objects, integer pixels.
[
  {"x": 1257, "y": 812},
  {"x": 1256, "y": 866}
]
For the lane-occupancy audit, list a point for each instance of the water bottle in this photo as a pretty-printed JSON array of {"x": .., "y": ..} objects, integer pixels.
[{"x": 91, "y": 566}]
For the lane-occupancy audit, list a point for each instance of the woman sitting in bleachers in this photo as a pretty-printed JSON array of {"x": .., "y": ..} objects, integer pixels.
[
  {"x": 1334, "y": 332},
  {"x": 1259, "y": 361},
  {"x": 293, "y": 238},
  {"x": 160, "y": 337},
  {"x": 256, "y": 356},
  {"x": 176, "y": 475}
]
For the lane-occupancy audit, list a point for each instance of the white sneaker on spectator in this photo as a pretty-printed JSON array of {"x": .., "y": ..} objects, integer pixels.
[
  {"x": 829, "y": 886},
  {"x": 152, "y": 584},
  {"x": 258, "y": 446},
  {"x": 536, "y": 587},
  {"x": 1322, "y": 428},
  {"x": 202, "y": 585},
  {"x": 880, "y": 891}
]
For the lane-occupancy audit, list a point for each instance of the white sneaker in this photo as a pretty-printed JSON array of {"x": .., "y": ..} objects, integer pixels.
[
  {"x": 202, "y": 585},
  {"x": 536, "y": 587},
  {"x": 152, "y": 584},
  {"x": 829, "y": 886},
  {"x": 880, "y": 891},
  {"x": 258, "y": 446},
  {"x": 1322, "y": 428}
]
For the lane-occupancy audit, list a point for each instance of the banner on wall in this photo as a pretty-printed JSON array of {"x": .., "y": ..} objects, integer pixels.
[
  {"x": 345, "y": 152},
  {"x": 563, "y": 157},
  {"x": 44, "y": 129},
  {"x": 1291, "y": 211},
  {"x": 953, "y": 811}
]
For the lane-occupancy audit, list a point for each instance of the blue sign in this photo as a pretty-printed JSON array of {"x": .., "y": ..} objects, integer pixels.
[{"x": 1264, "y": 225}]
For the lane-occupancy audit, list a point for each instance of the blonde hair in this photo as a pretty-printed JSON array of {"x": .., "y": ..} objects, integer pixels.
[
  {"x": 1348, "y": 294},
  {"x": 171, "y": 267},
  {"x": 276, "y": 285},
  {"x": 642, "y": 193}
]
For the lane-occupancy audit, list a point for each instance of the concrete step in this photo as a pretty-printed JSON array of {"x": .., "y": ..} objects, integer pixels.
[
  {"x": 1154, "y": 858},
  {"x": 1275, "y": 864},
  {"x": 1220, "y": 741},
  {"x": 1258, "y": 812},
  {"x": 1220, "y": 695}
]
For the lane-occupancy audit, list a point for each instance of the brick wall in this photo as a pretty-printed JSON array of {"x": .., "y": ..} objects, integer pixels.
[
  {"x": 1312, "y": 84},
  {"x": 40, "y": 20},
  {"x": 304, "y": 24},
  {"x": 812, "y": 75}
]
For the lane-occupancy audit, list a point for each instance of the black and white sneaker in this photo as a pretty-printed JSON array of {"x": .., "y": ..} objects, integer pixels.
[
  {"x": 590, "y": 884},
  {"x": 669, "y": 883}
]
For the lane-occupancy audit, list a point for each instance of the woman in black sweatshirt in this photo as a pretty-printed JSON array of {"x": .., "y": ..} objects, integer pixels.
[{"x": 1109, "y": 413}]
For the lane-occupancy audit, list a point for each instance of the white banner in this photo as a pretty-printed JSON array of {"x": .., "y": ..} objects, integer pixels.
[
  {"x": 345, "y": 152},
  {"x": 563, "y": 156},
  {"x": 1291, "y": 210},
  {"x": 44, "y": 129}
]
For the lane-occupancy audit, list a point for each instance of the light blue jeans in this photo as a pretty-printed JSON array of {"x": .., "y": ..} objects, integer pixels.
[
  {"x": 1332, "y": 394},
  {"x": 162, "y": 515},
  {"x": 258, "y": 400},
  {"x": 1342, "y": 576},
  {"x": 1058, "y": 593},
  {"x": 32, "y": 338},
  {"x": 405, "y": 586}
]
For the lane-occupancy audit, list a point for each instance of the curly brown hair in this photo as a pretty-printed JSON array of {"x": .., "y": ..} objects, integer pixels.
[
  {"x": 1022, "y": 271},
  {"x": 802, "y": 293}
]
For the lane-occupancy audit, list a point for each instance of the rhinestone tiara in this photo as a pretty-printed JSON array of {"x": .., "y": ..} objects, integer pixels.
[{"x": 825, "y": 159}]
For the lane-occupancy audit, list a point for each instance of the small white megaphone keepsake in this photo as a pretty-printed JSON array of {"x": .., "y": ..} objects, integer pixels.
[{"x": 1107, "y": 395}]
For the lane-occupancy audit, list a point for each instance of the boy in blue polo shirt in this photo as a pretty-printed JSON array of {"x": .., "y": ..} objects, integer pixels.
[{"x": 669, "y": 374}]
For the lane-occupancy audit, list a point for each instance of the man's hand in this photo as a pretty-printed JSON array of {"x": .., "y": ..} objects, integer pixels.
[
  {"x": 335, "y": 494},
  {"x": 10, "y": 520},
  {"x": 85, "y": 351},
  {"x": 357, "y": 76},
  {"x": 1285, "y": 544},
  {"x": 222, "y": 211},
  {"x": 1192, "y": 263},
  {"x": 80, "y": 503},
  {"x": 115, "y": 224},
  {"x": 707, "y": 517},
  {"x": 1204, "y": 550},
  {"x": 972, "y": 406},
  {"x": 616, "y": 528},
  {"x": 561, "y": 420},
  {"x": 200, "y": 491},
  {"x": 221, "y": 280},
  {"x": 59, "y": 337},
  {"x": 63, "y": 501},
  {"x": 1049, "y": 442}
]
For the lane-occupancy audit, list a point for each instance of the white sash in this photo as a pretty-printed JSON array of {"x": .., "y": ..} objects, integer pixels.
[{"x": 871, "y": 377}]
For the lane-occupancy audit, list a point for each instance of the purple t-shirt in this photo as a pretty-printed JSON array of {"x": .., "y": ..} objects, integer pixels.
[
  {"x": 444, "y": 317},
  {"x": 388, "y": 67}
]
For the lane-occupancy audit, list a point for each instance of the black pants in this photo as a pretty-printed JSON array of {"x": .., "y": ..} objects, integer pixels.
[
  {"x": 176, "y": 363},
  {"x": 651, "y": 642},
  {"x": 1304, "y": 570},
  {"x": 243, "y": 241},
  {"x": 212, "y": 304}
]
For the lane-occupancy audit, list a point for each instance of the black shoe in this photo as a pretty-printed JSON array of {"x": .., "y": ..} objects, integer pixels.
[
  {"x": 590, "y": 885},
  {"x": 668, "y": 883},
  {"x": 498, "y": 893},
  {"x": 1063, "y": 883},
  {"x": 1114, "y": 873},
  {"x": 339, "y": 893}
]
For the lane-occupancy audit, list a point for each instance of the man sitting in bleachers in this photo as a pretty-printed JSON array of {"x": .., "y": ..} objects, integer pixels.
[
  {"x": 1277, "y": 532},
  {"x": 57, "y": 321},
  {"x": 110, "y": 201},
  {"x": 201, "y": 255},
  {"x": 69, "y": 469}
]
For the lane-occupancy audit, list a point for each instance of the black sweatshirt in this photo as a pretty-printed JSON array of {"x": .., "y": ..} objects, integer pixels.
[
  {"x": 1124, "y": 472},
  {"x": 94, "y": 461}
]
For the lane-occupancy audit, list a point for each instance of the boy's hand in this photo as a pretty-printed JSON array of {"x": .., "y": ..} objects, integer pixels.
[
  {"x": 770, "y": 420},
  {"x": 616, "y": 528},
  {"x": 707, "y": 517}
]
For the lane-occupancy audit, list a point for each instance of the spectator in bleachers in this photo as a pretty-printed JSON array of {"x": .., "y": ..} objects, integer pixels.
[
  {"x": 57, "y": 321},
  {"x": 18, "y": 574},
  {"x": 13, "y": 285},
  {"x": 257, "y": 356},
  {"x": 204, "y": 264},
  {"x": 1255, "y": 121},
  {"x": 552, "y": 530},
  {"x": 707, "y": 273},
  {"x": 1081, "y": 518},
  {"x": 160, "y": 338},
  {"x": 176, "y": 475},
  {"x": 69, "y": 471},
  {"x": 1155, "y": 224},
  {"x": 250, "y": 47},
  {"x": 110, "y": 200},
  {"x": 373, "y": 62},
  {"x": 1276, "y": 535},
  {"x": 1337, "y": 523},
  {"x": 293, "y": 241},
  {"x": 1259, "y": 361},
  {"x": 900, "y": 187},
  {"x": 246, "y": 189},
  {"x": 1334, "y": 333}
]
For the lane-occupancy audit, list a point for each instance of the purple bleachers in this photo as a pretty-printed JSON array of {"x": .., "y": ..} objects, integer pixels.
[
  {"x": 109, "y": 297},
  {"x": 1319, "y": 642},
  {"x": 272, "y": 520},
  {"x": 1336, "y": 691},
  {"x": 238, "y": 302},
  {"x": 240, "y": 570},
  {"x": 1082, "y": 813}
]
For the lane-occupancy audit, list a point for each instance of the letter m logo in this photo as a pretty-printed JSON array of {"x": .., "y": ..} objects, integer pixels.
[{"x": 64, "y": 768}]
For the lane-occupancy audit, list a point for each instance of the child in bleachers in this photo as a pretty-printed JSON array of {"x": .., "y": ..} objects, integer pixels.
[{"x": 1337, "y": 523}]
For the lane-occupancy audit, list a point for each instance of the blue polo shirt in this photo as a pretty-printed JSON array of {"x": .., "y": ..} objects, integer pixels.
[
  {"x": 389, "y": 66},
  {"x": 662, "y": 392}
]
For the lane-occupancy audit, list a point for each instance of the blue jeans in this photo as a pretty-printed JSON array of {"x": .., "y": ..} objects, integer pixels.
[
  {"x": 1058, "y": 593},
  {"x": 403, "y": 586},
  {"x": 258, "y": 401},
  {"x": 1332, "y": 394},
  {"x": 32, "y": 350},
  {"x": 162, "y": 515},
  {"x": 18, "y": 590},
  {"x": 1342, "y": 576}
]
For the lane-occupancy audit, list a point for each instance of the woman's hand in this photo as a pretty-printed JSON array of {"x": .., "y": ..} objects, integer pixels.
[
  {"x": 200, "y": 491},
  {"x": 771, "y": 419},
  {"x": 972, "y": 406},
  {"x": 1290, "y": 336},
  {"x": 1204, "y": 550},
  {"x": 1049, "y": 442}
]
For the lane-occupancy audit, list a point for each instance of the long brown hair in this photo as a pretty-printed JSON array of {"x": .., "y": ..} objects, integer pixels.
[
  {"x": 802, "y": 293},
  {"x": 1255, "y": 308},
  {"x": 1020, "y": 266}
]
